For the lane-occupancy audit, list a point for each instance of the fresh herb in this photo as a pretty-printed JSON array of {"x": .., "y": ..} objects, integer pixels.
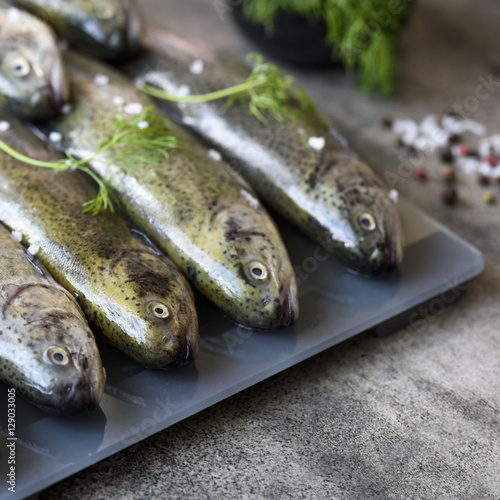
[
  {"x": 363, "y": 33},
  {"x": 266, "y": 89},
  {"x": 144, "y": 139}
]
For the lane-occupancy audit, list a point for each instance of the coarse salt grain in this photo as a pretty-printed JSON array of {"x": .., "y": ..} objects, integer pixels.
[
  {"x": 63, "y": 45},
  {"x": 66, "y": 108},
  {"x": 252, "y": 201},
  {"x": 17, "y": 236},
  {"x": 189, "y": 120},
  {"x": 101, "y": 80},
  {"x": 33, "y": 249},
  {"x": 118, "y": 100},
  {"x": 13, "y": 14},
  {"x": 317, "y": 143},
  {"x": 55, "y": 137},
  {"x": 183, "y": 91},
  {"x": 393, "y": 195},
  {"x": 197, "y": 67},
  {"x": 214, "y": 154},
  {"x": 4, "y": 126},
  {"x": 143, "y": 125},
  {"x": 133, "y": 108}
]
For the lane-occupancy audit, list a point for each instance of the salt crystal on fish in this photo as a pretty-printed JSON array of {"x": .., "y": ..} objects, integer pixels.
[
  {"x": 317, "y": 143},
  {"x": 183, "y": 91},
  {"x": 133, "y": 108},
  {"x": 214, "y": 154},
  {"x": 189, "y": 120},
  {"x": 4, "y": 126},
  {"x": 197, "y": 67},
  {"x": 393, "y": 195},
  {"x": 17, "y": 236},
  {"x": 63, "y": 45},
  {"x": 101, "y": 80},
  {"x": 143, "y": 125},
  {"x": 252, "y": 201},
  {"x": 66, "y": 108},
  {"x": 33, "y": 249},
  {"x": 118, "y": 100},
  {"x": 13, "y": 14},
  {"x": 55, "y": 137}
]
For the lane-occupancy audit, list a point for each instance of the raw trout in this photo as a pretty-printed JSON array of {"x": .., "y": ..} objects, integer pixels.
[
  {"x": 32, "y": 78},
  {"x": 196, "y": 209},
  {"x": 48, "y": 353},
  {"x": 107, "y": 29},
  {"x": 302, "y": 169},
  {"x": 137, "y": 298}
]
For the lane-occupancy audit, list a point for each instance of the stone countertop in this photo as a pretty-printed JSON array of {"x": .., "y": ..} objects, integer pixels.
[{"x": 414, "y": 415}]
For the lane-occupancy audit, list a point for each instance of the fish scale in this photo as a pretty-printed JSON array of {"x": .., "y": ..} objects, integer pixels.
[
  {"x": 39, "y": 320},
  {"x": 115, "y": 277},
  {"x": 195, "y": 209},
  {"x": 323, "y": 188}
]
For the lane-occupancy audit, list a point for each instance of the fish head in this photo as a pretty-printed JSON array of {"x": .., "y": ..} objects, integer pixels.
[
  {"x": 107, "y": 28},
  {"x": 263, "y": 274},
  {"x": 156, "y": 304},
  {"x": 372, "y": 236},
  {"x": 56, "y": 353},
  {"x": 33, "y": 81}
]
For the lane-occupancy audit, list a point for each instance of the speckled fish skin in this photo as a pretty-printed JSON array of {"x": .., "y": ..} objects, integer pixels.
[
  {"x": 323, "y": 191},
  {"x": 107, "y": 29},
  {"x": 118, "y": 281},
  {"x": 48, "y": 353},
  {"x": 197, "y": 210},
  {"x": 33, "y": 82}
]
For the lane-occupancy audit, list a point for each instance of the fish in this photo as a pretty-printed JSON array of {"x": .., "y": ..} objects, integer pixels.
[
  {"x": 33, "y": 83},
  {"x": 302, "y": 169},
  {"x": 48, "y": 353},
  {"x": 106, "y": 29},
  {"x": 194, "y": 208},
  {"x": 131, "y": 293}
]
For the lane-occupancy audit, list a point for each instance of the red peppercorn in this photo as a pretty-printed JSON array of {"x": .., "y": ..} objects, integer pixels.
[
  {"x": 462, "y": 150},
  {"x": 491, "y": 160},
  {"x": 420, "y": 174}
]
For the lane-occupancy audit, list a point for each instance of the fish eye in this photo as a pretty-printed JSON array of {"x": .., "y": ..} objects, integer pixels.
[
  {"x": 105, "y": 11},
  {"x": 367, "y": 221},
  {"x": 57, "y": 356},
  {"x": 158, "y": 310},
  {"x": 258, "y": 271},
  {"x": 20, "y": 67}
]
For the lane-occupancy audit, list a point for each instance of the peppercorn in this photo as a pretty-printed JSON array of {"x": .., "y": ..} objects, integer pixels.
[
  {"x": 448, "y": 173},
  {"x": 489, "y": 198},
  {"x": 449, "y": 195},
  {"x": 483, "y": 180},
  {"x": 454, "y": 139},
  {"x": 446, "y": 156},
  {"x": 387, "y": 122},
  {"x": 420, "y": 174},
  {"x": 491, "y": 160}
]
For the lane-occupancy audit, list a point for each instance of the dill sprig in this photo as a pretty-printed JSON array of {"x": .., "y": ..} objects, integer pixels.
[
  {"x": 266, "y": 89},
  {"x": 144, "y": 139},
  {"x": 362, "y": 33}
]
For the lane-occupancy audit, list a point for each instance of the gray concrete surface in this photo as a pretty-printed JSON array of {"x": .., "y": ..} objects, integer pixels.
[{"x": 411, "y": 416}]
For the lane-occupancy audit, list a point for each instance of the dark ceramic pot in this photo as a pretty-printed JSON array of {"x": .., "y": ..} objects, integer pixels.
[{"x": 295, "y": 39}]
